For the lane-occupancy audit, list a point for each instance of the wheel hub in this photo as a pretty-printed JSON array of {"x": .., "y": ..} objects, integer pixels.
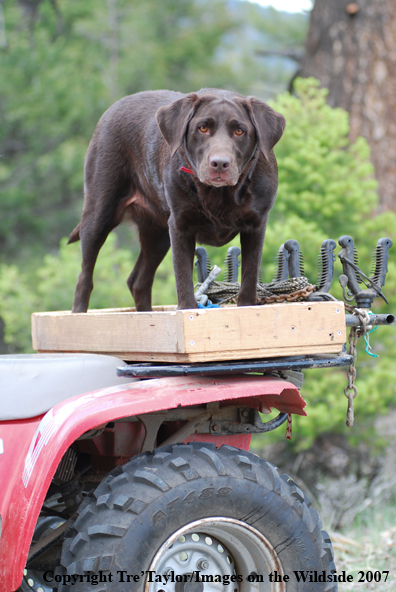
[
  {"x": 193, "y": 559},
  {"x": 189, "y": 587},
  {"x": 208, "y": 554}
]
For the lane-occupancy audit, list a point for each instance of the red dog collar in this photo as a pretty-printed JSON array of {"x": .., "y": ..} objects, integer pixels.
[{"x": 186, "y": 170}]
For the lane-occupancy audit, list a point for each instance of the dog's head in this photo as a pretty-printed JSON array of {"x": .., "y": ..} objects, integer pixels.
[{"x": 220, "y": 133}]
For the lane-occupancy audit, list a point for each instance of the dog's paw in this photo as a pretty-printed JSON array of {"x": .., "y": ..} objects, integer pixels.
[{"x": 246, "y": 301}]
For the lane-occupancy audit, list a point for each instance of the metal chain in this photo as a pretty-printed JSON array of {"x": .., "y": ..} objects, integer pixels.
[
  {"x": 351, "y": 391},
  {"x": 296, "y": 296}
]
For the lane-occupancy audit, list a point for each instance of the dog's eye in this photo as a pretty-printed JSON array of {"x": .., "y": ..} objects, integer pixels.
[
  {"x": 239, "y": 132},
  {"x": 203, "y": 128}
]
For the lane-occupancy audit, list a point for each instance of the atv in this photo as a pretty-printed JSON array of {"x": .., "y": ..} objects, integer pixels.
[{"x": 139, "y": 477}]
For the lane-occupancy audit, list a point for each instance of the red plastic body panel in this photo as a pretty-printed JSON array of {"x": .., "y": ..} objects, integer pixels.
[{"x": 33, "y": 448}]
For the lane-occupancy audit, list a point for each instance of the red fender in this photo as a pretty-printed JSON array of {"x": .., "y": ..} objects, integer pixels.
[{"x": 32, "y": 448}]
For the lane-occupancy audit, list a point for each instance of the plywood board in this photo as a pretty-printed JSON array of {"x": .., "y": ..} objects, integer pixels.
[{"x": 196, "y": 335}]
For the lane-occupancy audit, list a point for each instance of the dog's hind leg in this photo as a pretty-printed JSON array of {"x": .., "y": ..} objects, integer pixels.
[
  {"x": 155, "y": 243},
  {"x": 94, "y": 229}
]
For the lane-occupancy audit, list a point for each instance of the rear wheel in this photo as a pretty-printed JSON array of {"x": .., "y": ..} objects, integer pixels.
[{"x": 194, "y": 518}]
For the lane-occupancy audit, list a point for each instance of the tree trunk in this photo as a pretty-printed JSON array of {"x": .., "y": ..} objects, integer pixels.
[{"x": 351, "y": 49}]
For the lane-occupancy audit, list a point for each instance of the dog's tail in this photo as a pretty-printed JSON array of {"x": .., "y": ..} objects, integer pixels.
[{"x": 74, "y": 235}]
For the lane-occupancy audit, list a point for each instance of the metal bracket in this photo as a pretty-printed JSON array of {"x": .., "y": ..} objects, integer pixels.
[
  {"x": 250, "y": 424},
  {"x": 264, "y": 366},
  {"x": 353, "y": 276},
  {"x": 152, "y": 424}
]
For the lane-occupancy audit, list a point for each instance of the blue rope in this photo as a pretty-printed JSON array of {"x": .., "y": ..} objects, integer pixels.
[
  {"x": 368, "y": 347},
  {"x": 209, "y": 304}
]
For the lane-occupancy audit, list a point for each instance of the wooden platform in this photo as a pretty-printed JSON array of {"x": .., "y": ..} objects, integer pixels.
[{"x": 197, "y": 335}]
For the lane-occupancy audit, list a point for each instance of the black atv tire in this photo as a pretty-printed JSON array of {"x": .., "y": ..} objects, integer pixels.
[{"x": 195, "y": 508}]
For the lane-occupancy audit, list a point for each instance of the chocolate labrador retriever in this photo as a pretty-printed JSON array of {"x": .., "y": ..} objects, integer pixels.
[{"x": 186, "y": 169}]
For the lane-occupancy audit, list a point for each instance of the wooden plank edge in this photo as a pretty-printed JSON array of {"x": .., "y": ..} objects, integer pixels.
[
  {"x": 173, "y": 308},
  {"x": 211, "y": 356}
]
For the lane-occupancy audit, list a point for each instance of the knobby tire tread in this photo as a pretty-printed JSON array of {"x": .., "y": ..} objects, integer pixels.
[{"x": 131, "y": 495}]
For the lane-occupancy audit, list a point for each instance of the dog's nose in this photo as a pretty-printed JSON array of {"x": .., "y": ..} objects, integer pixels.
[{"x": 219, "y": 163}]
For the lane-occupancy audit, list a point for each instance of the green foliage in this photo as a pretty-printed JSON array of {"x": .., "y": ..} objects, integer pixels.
[
  {"x": 56, "y": 279},
  {"x": 63, "y": 65},
  {"x": 259, "y": 50},
  {"x": 17, "y": 302},
  {"x": 318, "y": 164}
]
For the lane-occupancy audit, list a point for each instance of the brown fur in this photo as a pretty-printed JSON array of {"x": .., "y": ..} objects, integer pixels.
[{"x": 132, "y": 169}]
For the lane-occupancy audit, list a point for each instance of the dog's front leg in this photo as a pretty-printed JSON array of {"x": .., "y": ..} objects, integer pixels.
[
  {"x": 183, "y": 249},
  {"x": 252, "y": 248}
]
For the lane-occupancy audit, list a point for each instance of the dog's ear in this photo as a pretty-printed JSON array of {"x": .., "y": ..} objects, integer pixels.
[
  {"x": 173, "y": 120},
  {"x": 268, "y": 123}
]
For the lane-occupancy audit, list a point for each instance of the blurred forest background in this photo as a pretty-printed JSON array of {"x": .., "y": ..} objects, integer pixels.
[{"x": 62, "y": 63}]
